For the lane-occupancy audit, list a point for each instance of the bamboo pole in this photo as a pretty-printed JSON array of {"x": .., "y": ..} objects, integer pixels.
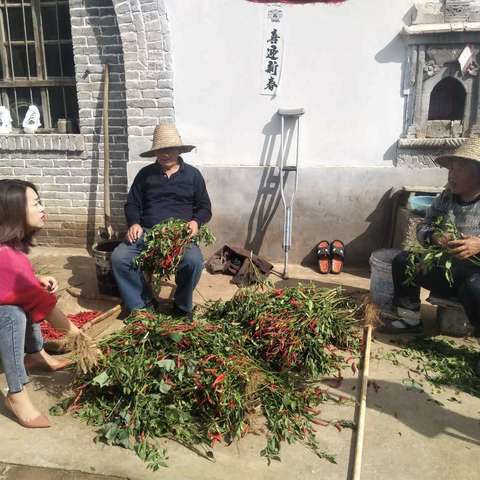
[
  {"x": 357, "y": 467},
  {"x": 106, "y": 154}
]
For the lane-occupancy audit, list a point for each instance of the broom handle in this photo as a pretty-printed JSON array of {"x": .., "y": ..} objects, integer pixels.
[
  {"x": 106, "y": 153},
  {"x": 357, "y": 467}
]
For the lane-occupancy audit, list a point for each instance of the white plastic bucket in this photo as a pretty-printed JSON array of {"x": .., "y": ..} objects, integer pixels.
[{"x": 381, "y": 281}]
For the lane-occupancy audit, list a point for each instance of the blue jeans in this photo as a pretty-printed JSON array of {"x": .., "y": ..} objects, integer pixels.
[
  {"x": 136, "y": 292},
  {"x": 17, "y": 336}
]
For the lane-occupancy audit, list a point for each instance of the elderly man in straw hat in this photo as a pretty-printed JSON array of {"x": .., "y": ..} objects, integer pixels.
[
  {"x": 459, "y": 203},
  {"x": 167, "y": 188}
]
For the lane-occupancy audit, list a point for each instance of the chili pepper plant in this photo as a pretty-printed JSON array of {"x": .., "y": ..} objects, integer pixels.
[
  {"x": 165, "y": 244},
  {"x": 302, "y": 329},
  {"x": 193, "y": 383},
  {"x": 424, "y": 258},
  {"x": 208, "y": 381}
]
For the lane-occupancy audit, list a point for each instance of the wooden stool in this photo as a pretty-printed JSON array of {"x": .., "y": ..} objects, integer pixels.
[{"x": 451, "y": 317}]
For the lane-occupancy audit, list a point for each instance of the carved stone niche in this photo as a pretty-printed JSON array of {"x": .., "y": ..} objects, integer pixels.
[{"x": 442, "y": 99}]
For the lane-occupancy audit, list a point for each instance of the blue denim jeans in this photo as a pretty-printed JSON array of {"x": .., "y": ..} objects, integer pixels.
[
  {"x": 17, "y": 336},
  {"x": 135, "y": 291}
]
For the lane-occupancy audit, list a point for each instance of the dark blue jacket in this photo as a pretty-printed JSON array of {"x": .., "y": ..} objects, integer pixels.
[{"x": 154, "y": 197}]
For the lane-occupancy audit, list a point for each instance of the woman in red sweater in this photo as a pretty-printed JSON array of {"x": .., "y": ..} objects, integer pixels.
[{"x": 25, "y": 300}]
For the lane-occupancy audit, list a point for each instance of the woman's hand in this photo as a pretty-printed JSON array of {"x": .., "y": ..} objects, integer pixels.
[
  {"x": 465, "y": 247},
  {"x": 50, "y": 284}
]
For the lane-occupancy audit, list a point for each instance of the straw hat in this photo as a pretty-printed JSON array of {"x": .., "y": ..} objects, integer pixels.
[
  {"x": 470, "y": 150},
  {"x": 166, "y": 136}
]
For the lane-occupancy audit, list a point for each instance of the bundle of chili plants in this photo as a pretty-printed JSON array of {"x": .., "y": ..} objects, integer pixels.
[
  {"x": 194, "y": 383},
  {"x": 425, "y": 258},
  {"x": 164, "y": 246},
  {"x": 303, "y": 328}
]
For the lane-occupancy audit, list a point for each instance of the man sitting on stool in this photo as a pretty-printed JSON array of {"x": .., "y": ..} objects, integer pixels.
[
  {"x": 459, "y": 203},
  {"x": 168, "y": 188}
]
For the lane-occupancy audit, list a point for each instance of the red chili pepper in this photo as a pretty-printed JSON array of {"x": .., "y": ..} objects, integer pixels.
[
  {"x": 218, "y": 380},
  {"x": 323, "y": 423},
  {"x": 215, "y": 437}
]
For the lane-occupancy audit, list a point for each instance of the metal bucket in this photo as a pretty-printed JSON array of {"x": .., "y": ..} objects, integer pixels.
[{"x": 102, "y": 253}]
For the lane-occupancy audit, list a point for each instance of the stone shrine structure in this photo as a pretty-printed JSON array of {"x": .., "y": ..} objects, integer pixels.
[{"x": 441, "y": 80}]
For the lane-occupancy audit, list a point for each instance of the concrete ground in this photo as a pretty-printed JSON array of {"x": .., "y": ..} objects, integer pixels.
[{"x": 409, "y": 433}]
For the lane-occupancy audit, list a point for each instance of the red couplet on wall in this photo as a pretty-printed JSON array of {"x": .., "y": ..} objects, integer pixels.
[{"x": 298, "y": 1}]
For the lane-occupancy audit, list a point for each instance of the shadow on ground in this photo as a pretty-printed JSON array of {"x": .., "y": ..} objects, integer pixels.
[
  {"x": 418, "y": 411},
  {"x": 83, "y": 283}
]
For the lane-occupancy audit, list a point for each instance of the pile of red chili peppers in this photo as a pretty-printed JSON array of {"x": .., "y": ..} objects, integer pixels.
[{"x": 78, "y": 319}]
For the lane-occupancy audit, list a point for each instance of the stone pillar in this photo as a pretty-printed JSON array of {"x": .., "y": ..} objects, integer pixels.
[{"x": 417, "y": 128}]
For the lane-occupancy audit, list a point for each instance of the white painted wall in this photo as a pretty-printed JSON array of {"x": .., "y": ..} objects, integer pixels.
[{"x": 342, "y": 64}]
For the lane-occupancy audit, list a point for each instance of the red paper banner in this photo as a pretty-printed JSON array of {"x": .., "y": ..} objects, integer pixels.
[{"x": 297, "y": 1}]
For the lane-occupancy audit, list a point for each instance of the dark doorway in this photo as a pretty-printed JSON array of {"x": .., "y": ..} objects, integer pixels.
[{"x": 447, "y": 100}]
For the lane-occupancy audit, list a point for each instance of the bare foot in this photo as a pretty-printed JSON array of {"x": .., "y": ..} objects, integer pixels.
[{"x": 43, "y": 360}]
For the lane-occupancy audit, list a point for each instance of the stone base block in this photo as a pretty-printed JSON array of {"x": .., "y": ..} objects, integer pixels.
[
  {"x": 451, "y": 317},
  {"x": 454, "y": 322}
]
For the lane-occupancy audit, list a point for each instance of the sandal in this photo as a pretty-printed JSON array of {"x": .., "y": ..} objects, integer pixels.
[
  {"x": 337, "y": 255},
  {"x": 323, "y": 254}
]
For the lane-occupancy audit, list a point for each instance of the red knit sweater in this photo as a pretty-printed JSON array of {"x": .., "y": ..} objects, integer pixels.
[{"x": 20, "y": 286}]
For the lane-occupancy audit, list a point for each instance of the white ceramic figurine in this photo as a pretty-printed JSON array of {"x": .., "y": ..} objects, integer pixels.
[
  {"x": 31, "y": 122},
  {"x": 5, "y": 121}
]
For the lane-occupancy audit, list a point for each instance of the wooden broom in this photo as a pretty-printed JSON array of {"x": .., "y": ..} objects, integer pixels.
[{"x": 371, "y": 317}]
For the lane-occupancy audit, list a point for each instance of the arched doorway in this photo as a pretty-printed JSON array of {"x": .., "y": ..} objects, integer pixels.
[{"x": 447, "y": 100}]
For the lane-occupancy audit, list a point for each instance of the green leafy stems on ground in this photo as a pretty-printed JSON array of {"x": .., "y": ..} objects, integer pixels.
[
  {"x": 440, "y": 362},
  {"x": 245, "y": 365}
]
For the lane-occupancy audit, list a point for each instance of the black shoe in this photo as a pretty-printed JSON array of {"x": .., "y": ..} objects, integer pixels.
[
  {"x": 178, "y": 313},
  {"x": 153, "y": 304},
  {"x": 124, "y": 313}
]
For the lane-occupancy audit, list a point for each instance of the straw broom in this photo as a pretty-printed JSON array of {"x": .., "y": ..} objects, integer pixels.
[{"x": 371, "y": 317}]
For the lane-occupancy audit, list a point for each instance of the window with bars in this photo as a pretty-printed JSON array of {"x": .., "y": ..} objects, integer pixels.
[{"x": 36, "y": 63}]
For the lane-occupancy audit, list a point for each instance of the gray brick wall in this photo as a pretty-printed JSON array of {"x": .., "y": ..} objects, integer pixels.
[{"x": 132, "y": 37}]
